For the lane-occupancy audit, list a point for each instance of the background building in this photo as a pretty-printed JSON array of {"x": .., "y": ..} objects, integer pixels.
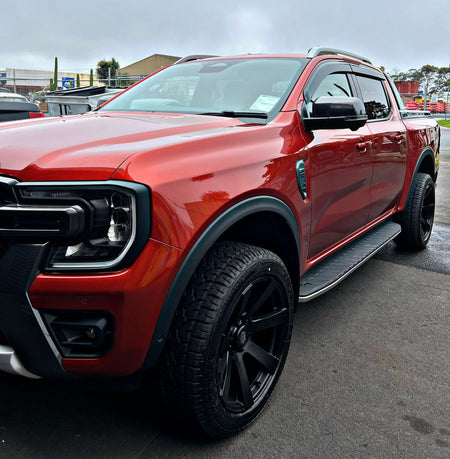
[
  {"x": 148, "y": 65},
  {"x": 26, "y": 82}
]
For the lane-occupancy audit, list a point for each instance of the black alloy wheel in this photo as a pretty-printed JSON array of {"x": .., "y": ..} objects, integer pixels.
[
  {"x": 427, "y": 212},
  {"x": 229, "y": 339},
  {"x": 253, "y": 344}
]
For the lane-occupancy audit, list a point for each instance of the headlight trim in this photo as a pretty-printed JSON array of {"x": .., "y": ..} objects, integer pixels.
[{"x": 72, "y": 192}]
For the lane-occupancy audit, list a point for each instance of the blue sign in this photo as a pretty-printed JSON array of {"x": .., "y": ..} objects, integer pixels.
[
  {"x": 2, "y": 74},
  {"x": 68, "y": 83}
]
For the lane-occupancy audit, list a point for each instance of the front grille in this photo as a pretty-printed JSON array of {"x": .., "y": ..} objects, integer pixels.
[
  {"x": 3, "y": 339},
  {"x": 7, "y": 196}
]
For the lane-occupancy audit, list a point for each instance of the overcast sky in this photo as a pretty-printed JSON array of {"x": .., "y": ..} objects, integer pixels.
[{"x": 399, "y": 34}]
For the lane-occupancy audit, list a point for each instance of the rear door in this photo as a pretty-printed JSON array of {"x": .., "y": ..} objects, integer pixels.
[{"x": 389, "y": 140}]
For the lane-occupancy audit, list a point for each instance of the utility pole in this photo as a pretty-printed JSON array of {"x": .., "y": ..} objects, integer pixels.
[{"x": 425, "y": 97}]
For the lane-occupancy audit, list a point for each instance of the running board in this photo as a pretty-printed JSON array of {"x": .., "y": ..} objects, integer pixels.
[{"x": 336, "y": 268}]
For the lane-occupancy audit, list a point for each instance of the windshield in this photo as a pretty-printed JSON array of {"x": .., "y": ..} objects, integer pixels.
[
  {"x": 239, "y": 87},
  {"x": 13, "y": 99}
]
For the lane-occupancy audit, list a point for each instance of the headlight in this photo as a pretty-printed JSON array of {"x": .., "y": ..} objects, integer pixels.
[{"x": 117, "y": 216}]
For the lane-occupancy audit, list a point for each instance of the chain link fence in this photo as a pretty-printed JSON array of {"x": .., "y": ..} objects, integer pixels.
[{"x": 36, "y": 86}]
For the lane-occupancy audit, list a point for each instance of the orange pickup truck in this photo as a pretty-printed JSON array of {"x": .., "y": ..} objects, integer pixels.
[{"x": 177, "y": 226}]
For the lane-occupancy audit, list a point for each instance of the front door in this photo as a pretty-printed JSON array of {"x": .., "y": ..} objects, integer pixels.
[{"x": 341, "y": 170}]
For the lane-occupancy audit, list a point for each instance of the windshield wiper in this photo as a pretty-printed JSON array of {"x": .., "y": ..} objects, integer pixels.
[{"x": 232, "y": 114}]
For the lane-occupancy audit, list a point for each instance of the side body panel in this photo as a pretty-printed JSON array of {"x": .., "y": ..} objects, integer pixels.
[
  {"x": 423, "y": 151},
  {"x": 389, "y": 156},
  {"x": 194, "y": 182}
]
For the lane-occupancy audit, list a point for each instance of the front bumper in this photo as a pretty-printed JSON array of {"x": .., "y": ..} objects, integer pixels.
[{"x": 132, "y": 297}]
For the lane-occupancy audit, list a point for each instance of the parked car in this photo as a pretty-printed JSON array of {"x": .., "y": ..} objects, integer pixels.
[
  {"x": 178, "y": 225},
  {"x": 4, "y": 90},
  {"x": 16, "y": 107}
]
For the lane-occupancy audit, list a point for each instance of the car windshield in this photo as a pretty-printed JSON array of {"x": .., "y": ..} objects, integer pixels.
[{"x": 237, "y": 87}]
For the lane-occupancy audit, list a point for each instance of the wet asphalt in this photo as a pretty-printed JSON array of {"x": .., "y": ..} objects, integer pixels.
[{"x": 368, "y": 375}]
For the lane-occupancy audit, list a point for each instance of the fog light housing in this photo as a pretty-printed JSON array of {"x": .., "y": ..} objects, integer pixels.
[{"x": 82, "y": 335}]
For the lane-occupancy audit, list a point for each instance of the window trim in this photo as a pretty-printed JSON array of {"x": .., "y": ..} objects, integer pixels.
[{"x": 321, "y": 72}]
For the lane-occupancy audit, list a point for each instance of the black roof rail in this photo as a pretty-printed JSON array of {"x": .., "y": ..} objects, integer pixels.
[
  {"x": 318, "y": 51},
  {"x": 193, "y": 57}
]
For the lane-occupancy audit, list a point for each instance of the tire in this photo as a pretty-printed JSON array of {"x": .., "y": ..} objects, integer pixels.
[
  {"x": 229, "y": 339},
  {"x": 417, "y": 218}
]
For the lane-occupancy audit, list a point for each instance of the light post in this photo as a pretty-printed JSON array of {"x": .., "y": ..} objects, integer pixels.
[{"x": 446, "y": 105}]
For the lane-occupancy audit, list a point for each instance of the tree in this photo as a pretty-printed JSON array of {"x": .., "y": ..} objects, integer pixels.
[
  {"x": 91, "y": 78},
  {"x": 104, "y": 65},
  {"x": 426, "y": 77},
  {"x": 442, "y": 81}
]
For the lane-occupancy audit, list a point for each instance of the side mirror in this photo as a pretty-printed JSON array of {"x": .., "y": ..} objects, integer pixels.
[{"x": 336, "y": 113}]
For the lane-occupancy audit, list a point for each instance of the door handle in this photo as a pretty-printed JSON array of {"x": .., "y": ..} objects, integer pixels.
[
  {"x": 399, "y": 138},
  {"x": 362, "y": 146}
]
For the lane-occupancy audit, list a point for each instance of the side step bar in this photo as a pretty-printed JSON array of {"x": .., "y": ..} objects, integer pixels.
[{"x": 335, "y": 269}]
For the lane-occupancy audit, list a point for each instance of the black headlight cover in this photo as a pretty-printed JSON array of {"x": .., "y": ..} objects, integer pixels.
[{"x": 117, "y": 222}]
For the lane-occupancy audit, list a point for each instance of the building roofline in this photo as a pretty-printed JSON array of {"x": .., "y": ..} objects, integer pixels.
[{"x": 148, "y": 57}]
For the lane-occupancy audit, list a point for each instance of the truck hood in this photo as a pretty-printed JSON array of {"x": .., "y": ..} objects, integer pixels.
[{"x": 93, "y": 146}]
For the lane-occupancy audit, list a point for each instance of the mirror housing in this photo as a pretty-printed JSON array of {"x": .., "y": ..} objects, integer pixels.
[{"x": 336, "y": 113}]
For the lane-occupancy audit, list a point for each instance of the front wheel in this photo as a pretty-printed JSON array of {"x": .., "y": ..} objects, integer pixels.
[
  {"x": 417, "y": 218},
  {"x": 229, "y": 339}
]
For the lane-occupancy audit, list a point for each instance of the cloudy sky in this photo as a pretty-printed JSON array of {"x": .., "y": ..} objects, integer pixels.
[{"x": 399, "y": 34}]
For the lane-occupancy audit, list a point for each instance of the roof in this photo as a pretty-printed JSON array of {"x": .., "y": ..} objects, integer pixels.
[{"x": 166, "y": 56}]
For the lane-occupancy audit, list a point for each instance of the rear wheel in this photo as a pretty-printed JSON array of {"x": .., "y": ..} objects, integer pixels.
[
  {"x": 229, "y": 339},
  {"x": 418, "y": 216}
]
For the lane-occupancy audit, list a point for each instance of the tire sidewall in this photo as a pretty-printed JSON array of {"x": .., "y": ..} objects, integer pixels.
[
  {"x": 226, "y": 420},
  {"x": 411, "y": 236},
  {"x": 421, "y": 184}
]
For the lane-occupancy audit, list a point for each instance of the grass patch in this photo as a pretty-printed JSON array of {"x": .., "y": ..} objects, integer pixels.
[{"x": 444, "y": 123}]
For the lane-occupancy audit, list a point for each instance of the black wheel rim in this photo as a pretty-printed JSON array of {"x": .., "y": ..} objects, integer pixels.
[
  {"x": 253, "y": 345},
  {"x": 427, "y": 213}
]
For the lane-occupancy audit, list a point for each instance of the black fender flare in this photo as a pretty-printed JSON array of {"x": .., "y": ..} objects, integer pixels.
[
  {"x": 225, "y": 220},
  {"x": 427, "y": 152}
]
